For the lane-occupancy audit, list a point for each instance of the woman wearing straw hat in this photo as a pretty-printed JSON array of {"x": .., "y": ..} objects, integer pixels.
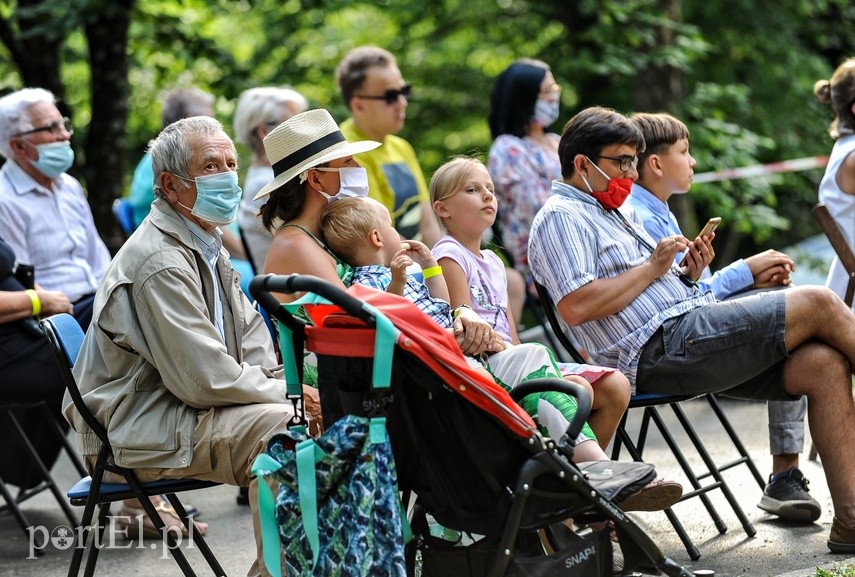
[{"x": 313, "y": 165}]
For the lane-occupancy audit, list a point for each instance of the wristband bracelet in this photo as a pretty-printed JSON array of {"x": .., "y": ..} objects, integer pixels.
[
  {"x": 36, "y": 301},
  {"x": 456, "y": 312},
  {"x": 431, "y": 271}
]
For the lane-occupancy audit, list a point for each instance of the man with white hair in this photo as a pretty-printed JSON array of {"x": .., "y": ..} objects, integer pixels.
[
  {"x": 44, "y": 214},
  {"x": 174, "y": 337},
  {"x": 177, "y": 104}
]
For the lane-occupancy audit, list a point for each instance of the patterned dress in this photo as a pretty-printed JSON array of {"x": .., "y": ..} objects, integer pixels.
[{"x": 522, "y": 173}]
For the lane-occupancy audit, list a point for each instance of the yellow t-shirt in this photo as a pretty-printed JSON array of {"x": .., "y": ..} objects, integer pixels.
[{"x": 394, "y": 178}]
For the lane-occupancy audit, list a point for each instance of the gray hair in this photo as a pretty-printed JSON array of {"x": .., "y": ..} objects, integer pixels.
[
  {"x": 14, "y": 117},
  {"x": 171, "y": 150},
  {"x": 186, "y": 102},
  {"x": 257, "y": 106}
]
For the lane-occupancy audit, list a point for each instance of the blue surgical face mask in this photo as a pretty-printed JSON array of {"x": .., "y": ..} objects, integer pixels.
[
  {"x": 54, "y": 158},
  {"x": 354, "y": 182},
  {"x": 217, "y": 197},
  {"x": 545, "y": 112}
]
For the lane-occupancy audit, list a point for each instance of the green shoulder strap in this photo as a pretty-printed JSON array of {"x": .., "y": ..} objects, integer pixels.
[
  {"x": 286, "y": 347},
  {"x": 385, "y": 335},
  {"x": 262, "y": 466},
  {"x": 308, "y": 454}
]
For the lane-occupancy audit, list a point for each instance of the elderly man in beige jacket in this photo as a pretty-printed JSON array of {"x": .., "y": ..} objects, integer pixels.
[{"x": 177, "y": 364}]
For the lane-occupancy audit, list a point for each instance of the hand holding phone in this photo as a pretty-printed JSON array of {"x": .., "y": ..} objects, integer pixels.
[{"x": 708, "y": 229}]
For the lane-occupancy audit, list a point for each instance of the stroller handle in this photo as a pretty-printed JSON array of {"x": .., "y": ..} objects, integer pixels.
[
  {"x": 261, "y": 286},
  {"x": 580, "y": 393}
]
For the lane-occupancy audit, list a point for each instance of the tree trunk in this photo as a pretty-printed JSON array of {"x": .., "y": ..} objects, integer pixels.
[
  {"x": 107, "y": 36},
  {"x": 660, "y": 89},
  {"x": 35, "y": 50}
]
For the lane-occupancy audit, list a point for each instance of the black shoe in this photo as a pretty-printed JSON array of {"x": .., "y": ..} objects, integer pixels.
[
  {"x": 788, "y": 498},
  {"x": 242, "y": 496}
]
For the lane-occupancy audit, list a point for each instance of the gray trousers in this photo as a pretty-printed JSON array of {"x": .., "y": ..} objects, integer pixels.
[{"x": 787, "y": 426}]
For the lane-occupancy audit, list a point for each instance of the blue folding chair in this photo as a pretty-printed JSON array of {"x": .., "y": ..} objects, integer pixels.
[
  {"x": 650, "y": 402},
  {"x": 66, "y": 339},
  {"x": 124, "y": 213}
]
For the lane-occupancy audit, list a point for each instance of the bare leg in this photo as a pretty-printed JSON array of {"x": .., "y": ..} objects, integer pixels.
[
  {"x": 823, "y": 375},
  {"x": 589, "y": 451},
  {"x": 611, "y": 398},
  {"x": 816, "y": 313},
  {"x": 784, "y": 462}
]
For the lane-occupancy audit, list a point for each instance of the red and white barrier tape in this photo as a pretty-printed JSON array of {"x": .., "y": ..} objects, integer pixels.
[{"x": 761, "y": 169}]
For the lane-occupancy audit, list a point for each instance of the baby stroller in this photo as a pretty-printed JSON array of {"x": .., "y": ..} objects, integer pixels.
[{"x": 476, "y": 462}]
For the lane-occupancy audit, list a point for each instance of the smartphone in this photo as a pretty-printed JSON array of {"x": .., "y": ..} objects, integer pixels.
[
  {"x": 708, "y": 229},
  {"x": 710, "y": 226}
]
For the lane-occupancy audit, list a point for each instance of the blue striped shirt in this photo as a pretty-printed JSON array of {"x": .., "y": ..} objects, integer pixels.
[
  {"x": 52, "y": 230},
  {"x": 210, "y": 245},
  {"x": 574, "y": 241}
]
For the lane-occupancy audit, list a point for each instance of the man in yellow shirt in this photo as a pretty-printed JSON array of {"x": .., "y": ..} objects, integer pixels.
[{"x": 376, "y": 95}]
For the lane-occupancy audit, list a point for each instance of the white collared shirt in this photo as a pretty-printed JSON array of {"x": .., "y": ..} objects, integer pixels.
[{"x": 52, "y": 230}]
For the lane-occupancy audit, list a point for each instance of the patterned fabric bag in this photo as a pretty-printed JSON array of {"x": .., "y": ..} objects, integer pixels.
[{"x": 337, "y": 512}]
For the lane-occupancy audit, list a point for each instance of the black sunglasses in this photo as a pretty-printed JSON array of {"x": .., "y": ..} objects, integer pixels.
[
  {"x": 53, "y": 128},
  {"x": 390, "y": 96}
]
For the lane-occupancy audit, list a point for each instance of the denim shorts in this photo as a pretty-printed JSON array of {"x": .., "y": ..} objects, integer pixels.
[{"x": 734, "y": 347}]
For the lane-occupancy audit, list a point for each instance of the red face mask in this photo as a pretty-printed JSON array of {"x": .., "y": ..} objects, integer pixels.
[
  {"x": 615, "y": 195},
  {"x": 619, "y": 189}
]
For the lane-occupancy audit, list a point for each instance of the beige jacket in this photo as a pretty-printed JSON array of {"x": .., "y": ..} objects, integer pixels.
[{"x": 153, "y": 360}]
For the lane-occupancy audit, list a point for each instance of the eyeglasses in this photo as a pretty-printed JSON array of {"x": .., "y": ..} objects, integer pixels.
[
  {"x": 390, "y": 96},
  {"x": 626, "y": 162},
  {"x": 55, "y": 128},
  {"x": 549, "y": 91}
]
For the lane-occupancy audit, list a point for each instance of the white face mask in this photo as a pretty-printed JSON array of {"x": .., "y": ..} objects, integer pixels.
[
  {"x": 354, "y": 182},
  {"x": 545, "y": 112}
]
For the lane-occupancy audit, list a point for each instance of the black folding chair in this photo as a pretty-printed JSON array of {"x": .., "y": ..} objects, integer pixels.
[
  {"x": 246, "y": 250},
  {"x": 66, "y": 338},
  {"x": 635, "y": 447},
  {"x": 11, "y": 412}
]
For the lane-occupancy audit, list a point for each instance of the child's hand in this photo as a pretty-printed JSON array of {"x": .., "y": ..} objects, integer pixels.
[
  {"x": 399, "y": 265},
  {"x": 419, "y": 252}
]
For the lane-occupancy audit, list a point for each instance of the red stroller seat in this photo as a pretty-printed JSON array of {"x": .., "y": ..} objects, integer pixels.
[{"x": 473, "y": 457}]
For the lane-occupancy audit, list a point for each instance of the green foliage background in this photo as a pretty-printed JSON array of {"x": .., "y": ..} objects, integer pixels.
[{"x": 740, "y": 73}]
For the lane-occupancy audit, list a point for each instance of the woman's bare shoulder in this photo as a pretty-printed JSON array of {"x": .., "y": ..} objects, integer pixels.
[{"x": 294, "y": 251}]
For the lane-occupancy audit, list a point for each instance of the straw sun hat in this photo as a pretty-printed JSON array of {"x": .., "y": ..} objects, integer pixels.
[{"x": 304, "y": 141}]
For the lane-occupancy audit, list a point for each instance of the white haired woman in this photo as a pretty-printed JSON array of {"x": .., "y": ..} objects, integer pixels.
[{"x": 259, "y": 110}]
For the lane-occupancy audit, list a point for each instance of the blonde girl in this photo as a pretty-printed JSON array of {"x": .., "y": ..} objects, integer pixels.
[{"x": 463, "y": 199}]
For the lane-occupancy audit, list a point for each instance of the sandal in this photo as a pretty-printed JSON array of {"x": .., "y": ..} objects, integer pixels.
[{"x": 129, "y": 520}]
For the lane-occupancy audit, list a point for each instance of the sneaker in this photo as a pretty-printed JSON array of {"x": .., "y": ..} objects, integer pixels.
[
  {"x": 788, "y": 498},
  {"x": 654, "y": 496},
  {"x": 841, "y": 539}
]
